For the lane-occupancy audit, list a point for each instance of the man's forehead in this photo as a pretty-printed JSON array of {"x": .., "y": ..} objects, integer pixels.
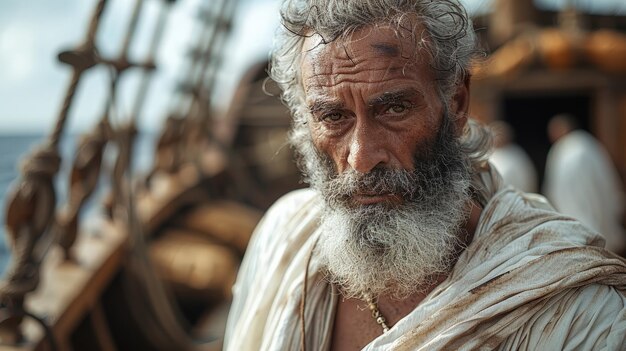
[
  {"x": 382, "y": 40},
  {"x": 373, "y": 54}
]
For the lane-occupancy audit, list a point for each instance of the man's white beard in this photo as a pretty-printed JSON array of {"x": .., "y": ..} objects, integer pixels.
[
  {"x": 391, "y": 249},
  {"x": 398, "y": 250}
]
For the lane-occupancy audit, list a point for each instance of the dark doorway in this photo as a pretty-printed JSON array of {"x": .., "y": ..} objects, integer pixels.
[{"x": 529, "y": 114}]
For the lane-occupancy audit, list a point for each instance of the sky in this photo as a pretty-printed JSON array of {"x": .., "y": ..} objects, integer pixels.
[{"x": 32, "y": 82}]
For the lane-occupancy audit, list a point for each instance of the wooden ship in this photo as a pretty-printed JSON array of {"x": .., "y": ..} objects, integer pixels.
[{"x": 156, "y": 273}]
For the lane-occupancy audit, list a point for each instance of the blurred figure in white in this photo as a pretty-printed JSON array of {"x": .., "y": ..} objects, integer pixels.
[
  {"x": 511, "y": 160},
  {"x": 581, "y": 181}
]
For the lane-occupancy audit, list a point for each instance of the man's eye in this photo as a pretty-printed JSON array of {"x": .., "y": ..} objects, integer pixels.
[
  {"x": 397, "y": 108},
  {"x": 332, "y": 117}
]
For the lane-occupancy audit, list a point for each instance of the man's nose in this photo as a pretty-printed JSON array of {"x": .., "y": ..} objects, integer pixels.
[{"x": 366, "y": 148}]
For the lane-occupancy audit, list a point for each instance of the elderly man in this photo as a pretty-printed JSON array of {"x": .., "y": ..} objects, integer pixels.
[
  {"x": 510, "y": 160},
  {"x": 407, "y": 240},
  {"x": 581, "y": 181}
]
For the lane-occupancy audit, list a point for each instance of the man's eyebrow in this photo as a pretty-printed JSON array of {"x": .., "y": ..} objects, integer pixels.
[
  {"x": 386, "y": 49},
  {"x": 325, "y": 105},
  {"x": 395, "y": 96}
]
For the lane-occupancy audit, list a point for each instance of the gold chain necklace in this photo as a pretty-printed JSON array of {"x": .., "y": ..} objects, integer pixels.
[{"x": 373, "y": 306}]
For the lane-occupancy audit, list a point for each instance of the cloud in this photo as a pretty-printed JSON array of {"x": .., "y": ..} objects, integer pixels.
[
  {"x": 18, "y": 52},
  {"x": 33, "y": 82}
]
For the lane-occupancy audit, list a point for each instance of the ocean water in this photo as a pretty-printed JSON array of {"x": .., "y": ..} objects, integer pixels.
[{"x": 14, "y": 148}]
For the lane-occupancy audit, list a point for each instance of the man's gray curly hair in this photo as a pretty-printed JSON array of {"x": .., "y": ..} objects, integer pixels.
[{"x": 446, "y": 32}]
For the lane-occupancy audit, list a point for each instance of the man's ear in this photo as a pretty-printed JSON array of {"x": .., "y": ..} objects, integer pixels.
[{"x": 459, "y": 106}]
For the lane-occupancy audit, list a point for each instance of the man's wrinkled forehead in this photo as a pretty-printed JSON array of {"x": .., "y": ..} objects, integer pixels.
[
  {"x": 400, "y": 46},
  {"x": 389, "y": 41}
]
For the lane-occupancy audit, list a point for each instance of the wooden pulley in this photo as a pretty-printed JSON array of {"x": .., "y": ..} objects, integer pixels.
[
  {"x": 83, "y": 180},
  {"x": 33, "y": 201}
]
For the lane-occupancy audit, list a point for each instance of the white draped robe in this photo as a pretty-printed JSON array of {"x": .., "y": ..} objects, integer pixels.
[
  {"x": 515, "y": 167},
  {"x": 581, "y": 181},
  {"x": 531, "y": 279}
]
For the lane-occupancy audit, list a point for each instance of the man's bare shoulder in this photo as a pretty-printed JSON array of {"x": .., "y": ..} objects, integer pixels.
[{"x": 289, "y": 206}]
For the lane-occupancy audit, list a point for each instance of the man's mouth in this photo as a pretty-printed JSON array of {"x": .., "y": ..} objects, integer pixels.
[{"x": 375, "y": 198}]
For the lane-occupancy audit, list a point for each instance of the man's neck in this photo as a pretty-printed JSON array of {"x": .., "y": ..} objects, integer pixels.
[{"x": 354, "y": 325}]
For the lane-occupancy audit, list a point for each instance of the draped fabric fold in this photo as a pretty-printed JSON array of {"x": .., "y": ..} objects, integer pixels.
[{"x": 530, "y": 279}]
